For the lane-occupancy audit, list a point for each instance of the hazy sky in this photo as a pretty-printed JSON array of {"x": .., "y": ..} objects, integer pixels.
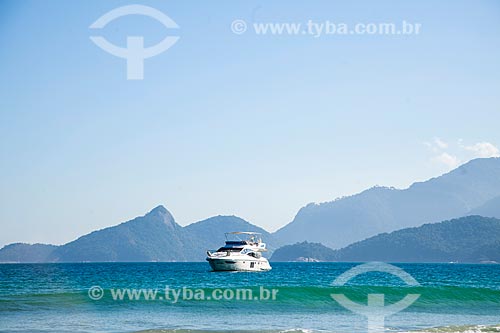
[{"x": 252, "y": 125}]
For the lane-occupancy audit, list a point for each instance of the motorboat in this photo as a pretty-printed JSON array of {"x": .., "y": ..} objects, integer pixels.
[{"x": 241, "y": 252}]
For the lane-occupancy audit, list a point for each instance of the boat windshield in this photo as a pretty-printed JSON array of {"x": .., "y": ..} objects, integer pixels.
[
  {"x": 230, "y": 249},
  {"x": 236, "y": 242}
]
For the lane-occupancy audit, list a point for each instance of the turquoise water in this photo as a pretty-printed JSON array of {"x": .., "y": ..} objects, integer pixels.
[{"x": 55, "y": 298}]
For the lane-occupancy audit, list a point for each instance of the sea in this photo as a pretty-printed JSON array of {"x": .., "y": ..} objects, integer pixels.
[{"x": 292, "y": 297}]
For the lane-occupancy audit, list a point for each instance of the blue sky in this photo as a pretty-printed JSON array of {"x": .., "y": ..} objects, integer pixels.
[{"x": 251, "y": 125}]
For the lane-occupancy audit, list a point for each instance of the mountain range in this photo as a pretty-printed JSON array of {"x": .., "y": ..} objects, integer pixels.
[
  {"x": 470, "y": 239},
  {"x": 473, "y": 188},
  {"x": 152, "y": 237}
]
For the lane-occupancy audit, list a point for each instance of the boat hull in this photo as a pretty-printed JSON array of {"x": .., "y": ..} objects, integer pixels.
[{"x": 239, "y": 264}]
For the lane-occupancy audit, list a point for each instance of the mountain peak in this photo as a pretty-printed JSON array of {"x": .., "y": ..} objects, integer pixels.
[
  {"x": 162, "y": 214},
  {"x": 479, "y": 164},
  {"x": 158, "y": 210}
]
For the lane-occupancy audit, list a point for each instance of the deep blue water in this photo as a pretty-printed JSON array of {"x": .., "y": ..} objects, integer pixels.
[{"x": 55, "y": 297}]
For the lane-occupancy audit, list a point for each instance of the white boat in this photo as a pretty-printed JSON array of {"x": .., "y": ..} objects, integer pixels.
[{"x": 242, "y": 252}]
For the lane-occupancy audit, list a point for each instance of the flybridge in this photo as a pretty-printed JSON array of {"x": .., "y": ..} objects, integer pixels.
[{"x": 252, "y": 237}]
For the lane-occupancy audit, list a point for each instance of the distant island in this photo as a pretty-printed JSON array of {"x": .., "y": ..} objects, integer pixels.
[
  {"x": 380, "y": 223},
  {"x": 304, "y": 252}
]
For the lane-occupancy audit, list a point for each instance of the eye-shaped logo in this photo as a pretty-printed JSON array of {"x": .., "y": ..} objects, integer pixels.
[
  {"x": 135, "y": 52},
  {"x": 375, "y": 311}
]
